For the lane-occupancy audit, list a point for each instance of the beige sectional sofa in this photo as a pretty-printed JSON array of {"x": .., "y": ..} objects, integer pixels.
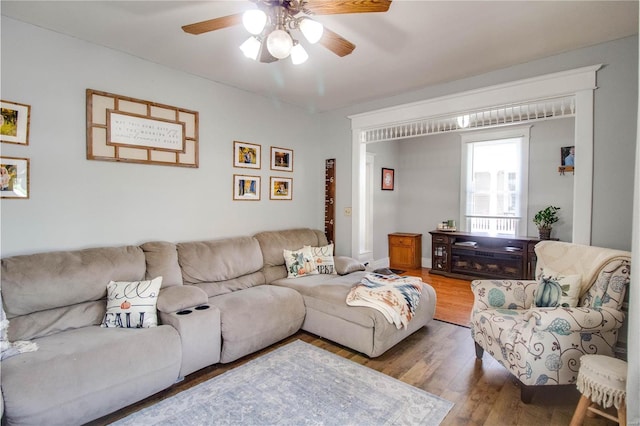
[{"x": 219, "y": 301}]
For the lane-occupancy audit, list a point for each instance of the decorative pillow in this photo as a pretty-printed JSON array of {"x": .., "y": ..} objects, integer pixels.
[
  {"x": 557, "y": 290},
  {"x": 299, "y": 262},
  {"x": 323, "y": 258},
  {"x": 346, "y": 265},
  {"x": 132, "y": 304}
]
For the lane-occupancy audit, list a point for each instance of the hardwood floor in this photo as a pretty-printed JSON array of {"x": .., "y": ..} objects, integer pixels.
[
  {"x": 454, "y": 296},
  {"x": 440, "y": 359}
]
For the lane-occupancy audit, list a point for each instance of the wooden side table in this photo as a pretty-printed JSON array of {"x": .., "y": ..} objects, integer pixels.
[{"x": 405, "y": 250}]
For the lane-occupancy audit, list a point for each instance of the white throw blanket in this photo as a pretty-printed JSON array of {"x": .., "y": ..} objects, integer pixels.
[{"x": 396, "y": 297}]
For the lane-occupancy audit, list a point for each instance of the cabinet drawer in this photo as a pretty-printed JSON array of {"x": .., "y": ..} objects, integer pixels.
[
  {"x": 440, "y": 239},
  {"x": 402, "y": 241}
]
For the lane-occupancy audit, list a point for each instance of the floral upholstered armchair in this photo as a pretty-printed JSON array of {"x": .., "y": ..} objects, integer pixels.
[{"x": 538, "y": 330}]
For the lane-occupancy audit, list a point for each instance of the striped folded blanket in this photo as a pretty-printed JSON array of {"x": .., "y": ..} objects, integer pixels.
[{"x": 395, "y": 296}]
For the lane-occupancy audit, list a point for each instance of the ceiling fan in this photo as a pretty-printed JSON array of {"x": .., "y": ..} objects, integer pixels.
[{"x": 272, "y": 21}]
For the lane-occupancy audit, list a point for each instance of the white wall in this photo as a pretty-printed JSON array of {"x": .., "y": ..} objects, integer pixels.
[
  {"x": 385, "y": 203},
  {"x": 546, "y": 186},
  {"x": 616, "y": 103},
  {"x": 77, "y": 203}
]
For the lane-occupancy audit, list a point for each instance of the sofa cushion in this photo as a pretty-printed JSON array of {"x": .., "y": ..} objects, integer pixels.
[
  {"x": 257, "y": 317},
  {"x": 132, "y": 304},
  {"x": 83, "y": 374},
  {"x": 272, "y": 244},
  {"x": 162, "y": 261},
  {"x": 38, "y": 282},
  {"x": 221, "y": 266},
  {"x": 328, "y": 293}
]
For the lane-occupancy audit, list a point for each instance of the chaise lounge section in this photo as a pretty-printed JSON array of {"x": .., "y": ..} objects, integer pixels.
[{"x": 327, "y": 315}]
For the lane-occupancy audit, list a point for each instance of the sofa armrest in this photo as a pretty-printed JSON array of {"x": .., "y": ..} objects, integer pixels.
[
  {"x": 177, "y": 298},
  {"x": 346, "y": 265},
  {"x": 505, "y": 294},
  {"x": 563, "y": 321}
]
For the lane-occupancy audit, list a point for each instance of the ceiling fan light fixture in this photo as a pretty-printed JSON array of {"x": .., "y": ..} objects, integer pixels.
[
  {"x": 312, "y": 30},
  {"x": 279, "y": 44},
  {"x": 251, "y": 48},
  {"x": 298, "y": 54},
  {"x": 254, "y": 20}
]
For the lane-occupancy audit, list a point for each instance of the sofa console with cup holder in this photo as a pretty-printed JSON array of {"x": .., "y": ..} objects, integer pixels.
[{"x": 93, "y": 331}]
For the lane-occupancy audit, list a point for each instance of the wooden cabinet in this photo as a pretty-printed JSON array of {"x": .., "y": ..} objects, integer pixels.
[
  {"x": 405, "y": 251},
  {"x": 474, "y": 255}
]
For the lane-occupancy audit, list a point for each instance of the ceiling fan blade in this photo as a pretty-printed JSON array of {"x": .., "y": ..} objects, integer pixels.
[
  {"x": 333, "y": 7},
  {"x": 213, "y": 24},
  {"x": 336, "y": 43}
]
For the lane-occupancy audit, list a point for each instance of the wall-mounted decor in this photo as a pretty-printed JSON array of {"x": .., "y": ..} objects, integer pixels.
[
  {"x": 14, "y": 127},
  {"x": 246, "y": 188},
  {"x": 131, "y": 130},
  {"x": 281, "y": 188},
  {"x": 388, "y": 179},
  {"x": 281, "y": 159},
  {"x": 567, "y": 159},
  {"x": 246, "y": 155},
  {"x": 14, "y": 177}
]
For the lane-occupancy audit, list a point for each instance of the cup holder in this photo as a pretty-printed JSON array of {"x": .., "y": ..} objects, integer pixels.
[
  {"x": 201, "y": 307},
  {"x": 184, "y": 312}
]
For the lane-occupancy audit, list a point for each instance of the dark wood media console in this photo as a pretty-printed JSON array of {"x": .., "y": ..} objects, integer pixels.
[{"x": 476, "y": 255}]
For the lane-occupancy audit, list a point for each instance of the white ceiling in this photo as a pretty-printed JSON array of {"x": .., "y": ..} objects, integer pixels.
[{"x": 413, "y": 45}]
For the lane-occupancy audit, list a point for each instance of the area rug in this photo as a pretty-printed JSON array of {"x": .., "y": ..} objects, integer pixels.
[{"x": 297, "y": 384}]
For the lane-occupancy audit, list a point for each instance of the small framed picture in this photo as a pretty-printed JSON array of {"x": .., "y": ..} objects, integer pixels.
[
  {"x": 246, "y": 188},
  {"x": 14, "y": 177},
  {"x": 281, "y": 188},
  {"x": 14, "y": 127},
  {"x": 281, "y": 159},
  {"x": 246, "y": 155},
  {"x": 388, "y": 179},
  {"x": 567, "y": 156}
]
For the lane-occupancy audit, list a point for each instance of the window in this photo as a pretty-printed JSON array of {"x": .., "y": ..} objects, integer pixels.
[{"x": 494, "y": 181}]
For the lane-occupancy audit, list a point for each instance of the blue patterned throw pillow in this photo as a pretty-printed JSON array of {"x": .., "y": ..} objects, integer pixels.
[{"x": 557, "y": 290}]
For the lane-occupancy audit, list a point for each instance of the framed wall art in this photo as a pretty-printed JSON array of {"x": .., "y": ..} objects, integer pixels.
[
  {"x": 14, "y": 127},
  {"x": 14, "y": 177},
  {"x": 246, "y": 155},
  {"x": 388, "y": 179},
  {"x": 281, "y": 159},
  {"x": 120, "y": 128},
  {"x": 281, "y": 188},
  {"x": 246, "y": 188},
  {"x": 567, "y": 159}
]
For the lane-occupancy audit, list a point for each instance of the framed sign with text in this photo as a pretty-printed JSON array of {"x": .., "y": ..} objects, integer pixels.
[{"x": 121, "y": 128}]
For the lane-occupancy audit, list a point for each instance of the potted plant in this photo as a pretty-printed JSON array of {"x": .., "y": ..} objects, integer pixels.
[{"x": 544, "y": 219}]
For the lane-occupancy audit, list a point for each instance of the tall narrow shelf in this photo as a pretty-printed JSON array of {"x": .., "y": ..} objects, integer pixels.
[{"x": 477, "y": 255}]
